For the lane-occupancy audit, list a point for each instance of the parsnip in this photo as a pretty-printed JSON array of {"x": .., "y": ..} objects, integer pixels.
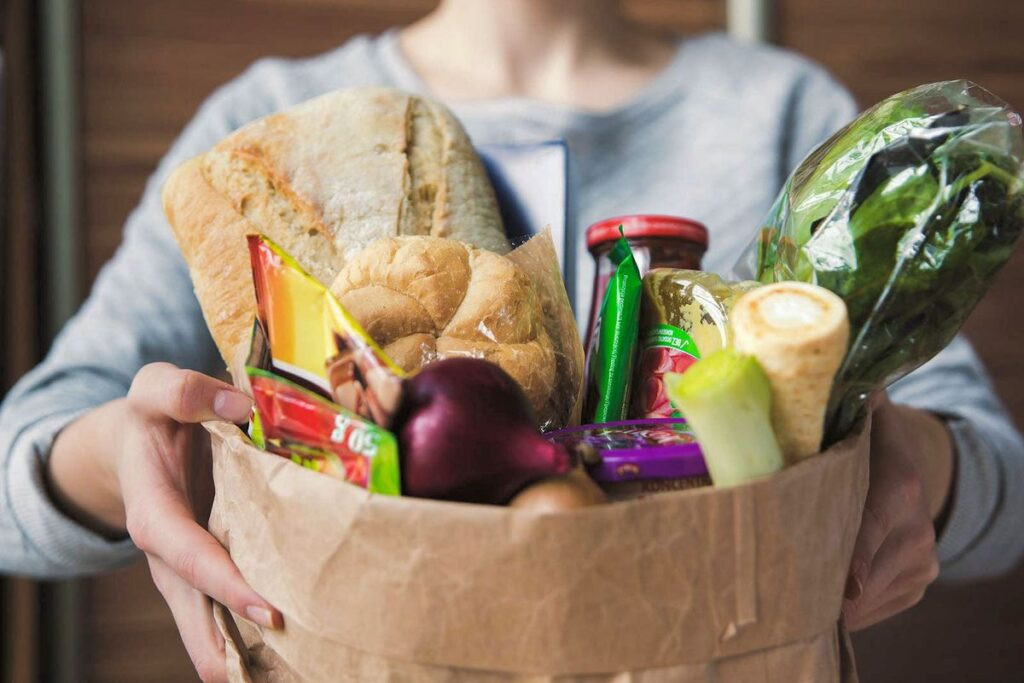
[{"x": 798, "y": 332}]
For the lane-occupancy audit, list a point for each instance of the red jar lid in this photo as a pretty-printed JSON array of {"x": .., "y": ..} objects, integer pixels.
[{"x": 647, "y": 225}]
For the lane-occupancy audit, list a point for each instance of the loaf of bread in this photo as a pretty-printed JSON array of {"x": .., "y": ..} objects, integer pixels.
[
  {"x": 426, "y": 298},
  {"x": 324, "y": 179}
]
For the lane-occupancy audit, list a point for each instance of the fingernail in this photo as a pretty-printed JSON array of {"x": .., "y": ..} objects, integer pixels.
[
  {"x": 232, "y": 405},
  {"x": 854, "y": 587},
  {"x": 263, "y": 616}
]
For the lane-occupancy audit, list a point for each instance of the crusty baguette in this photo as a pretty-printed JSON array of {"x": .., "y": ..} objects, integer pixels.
[
  {"x": 324, "y": 179},
  {"x": 222, "y": 284}
]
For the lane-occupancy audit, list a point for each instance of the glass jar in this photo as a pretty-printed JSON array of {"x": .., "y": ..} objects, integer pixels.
[{"x": 657, "y": 242}]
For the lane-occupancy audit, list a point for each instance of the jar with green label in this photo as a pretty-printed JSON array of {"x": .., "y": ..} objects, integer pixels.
[
  {"x": 657, "y": 241},
  {"x": 684, "y": 315}
]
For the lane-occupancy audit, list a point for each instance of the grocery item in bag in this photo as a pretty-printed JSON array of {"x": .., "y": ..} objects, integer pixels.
[
  {"x": 467, "y": 433},
  {"x": 613, "y": 346},
  {"x": 311, "y": 339},
  {"x": 907, "y": 214},
  {"x": 726, "y": 399},
  {"x": 564, "y": 492},
  {"x": 322, "y": 436},
  {"x": 798, "y": 332},
  {"x": 657, "y": 241},
  {"x": 637, "y": 458},
  {"x": 684, "y": 316},
  {"x": 299, "y": 340},
  {"x": 429, "y": 298}
]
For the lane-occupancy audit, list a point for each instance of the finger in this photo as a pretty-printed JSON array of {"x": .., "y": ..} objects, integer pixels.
[
  {"x": 901, "y": 568},
  {"x": 898, "y": 603},
  {"x": 193, "y": 615},
  {"x": 164, "y": 527},
  {"x": 920, "y": 576},
  {"x": 185, "y": 395},
  {"x": 901, "y": 552},
  {"x": 891, "y": 500}
]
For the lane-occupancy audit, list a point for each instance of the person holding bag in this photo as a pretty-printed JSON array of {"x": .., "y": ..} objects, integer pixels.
[{"x": 98, "y": 451}]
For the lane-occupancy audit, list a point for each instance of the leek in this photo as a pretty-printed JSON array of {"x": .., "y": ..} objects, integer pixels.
[{"x": 726, "y": 399}]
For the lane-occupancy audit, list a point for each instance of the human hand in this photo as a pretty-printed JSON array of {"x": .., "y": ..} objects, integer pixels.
[
  {"x": 894, "y": 558},
  {"x": 164, "y": 486}
]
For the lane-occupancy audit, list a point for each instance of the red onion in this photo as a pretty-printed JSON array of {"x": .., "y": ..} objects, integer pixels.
[{"x": 467, "y": 433}]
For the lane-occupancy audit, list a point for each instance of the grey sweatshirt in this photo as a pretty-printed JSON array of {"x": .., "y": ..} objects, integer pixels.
[{"x": 713, "y": 137}]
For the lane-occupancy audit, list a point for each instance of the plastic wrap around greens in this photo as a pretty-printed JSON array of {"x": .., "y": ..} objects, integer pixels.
[{"x": 907, "y": 214}]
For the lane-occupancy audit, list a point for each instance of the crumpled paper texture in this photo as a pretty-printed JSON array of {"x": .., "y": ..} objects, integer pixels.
[{"x": 741, "y": 584}]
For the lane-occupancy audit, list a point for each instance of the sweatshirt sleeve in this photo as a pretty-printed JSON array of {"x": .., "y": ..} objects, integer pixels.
[
  {"x": 141, "y": 309},
  {"x": 984, "y": 532},
  {"x": 819, "y": 107}
]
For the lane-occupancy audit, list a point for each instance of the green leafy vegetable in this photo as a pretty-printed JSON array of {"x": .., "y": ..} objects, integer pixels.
[{"x": 907, "y": 214}]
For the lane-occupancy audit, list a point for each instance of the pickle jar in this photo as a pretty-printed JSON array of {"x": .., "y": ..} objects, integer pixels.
[{"x": 657, "y": 242}]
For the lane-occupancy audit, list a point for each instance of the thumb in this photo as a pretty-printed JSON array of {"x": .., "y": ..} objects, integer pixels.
[{"x": 186, "y": 396}]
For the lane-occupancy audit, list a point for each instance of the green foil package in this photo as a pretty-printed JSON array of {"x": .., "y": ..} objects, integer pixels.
[{"x": 613, "y": 346}]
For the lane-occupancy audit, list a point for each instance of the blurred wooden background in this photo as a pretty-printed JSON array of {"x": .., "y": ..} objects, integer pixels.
[{"x": 146, "y": 65}]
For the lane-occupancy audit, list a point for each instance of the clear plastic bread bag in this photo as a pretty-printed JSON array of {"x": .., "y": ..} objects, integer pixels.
[
  {"x": 907, "y": 213},
  {"x": 538, "y": 259}
]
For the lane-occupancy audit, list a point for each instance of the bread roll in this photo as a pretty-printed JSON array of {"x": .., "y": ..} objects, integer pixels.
[
  {"x": 324, "y": 179},
  {"x": 426, "y": 298}
]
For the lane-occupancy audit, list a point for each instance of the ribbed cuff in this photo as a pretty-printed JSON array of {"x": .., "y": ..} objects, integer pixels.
[
  {"x": 976, "y": 493},
  {"x": 65, "y": 547}
]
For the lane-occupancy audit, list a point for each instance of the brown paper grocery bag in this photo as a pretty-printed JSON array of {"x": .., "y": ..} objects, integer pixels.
[{"x": 741, "y": 584}]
